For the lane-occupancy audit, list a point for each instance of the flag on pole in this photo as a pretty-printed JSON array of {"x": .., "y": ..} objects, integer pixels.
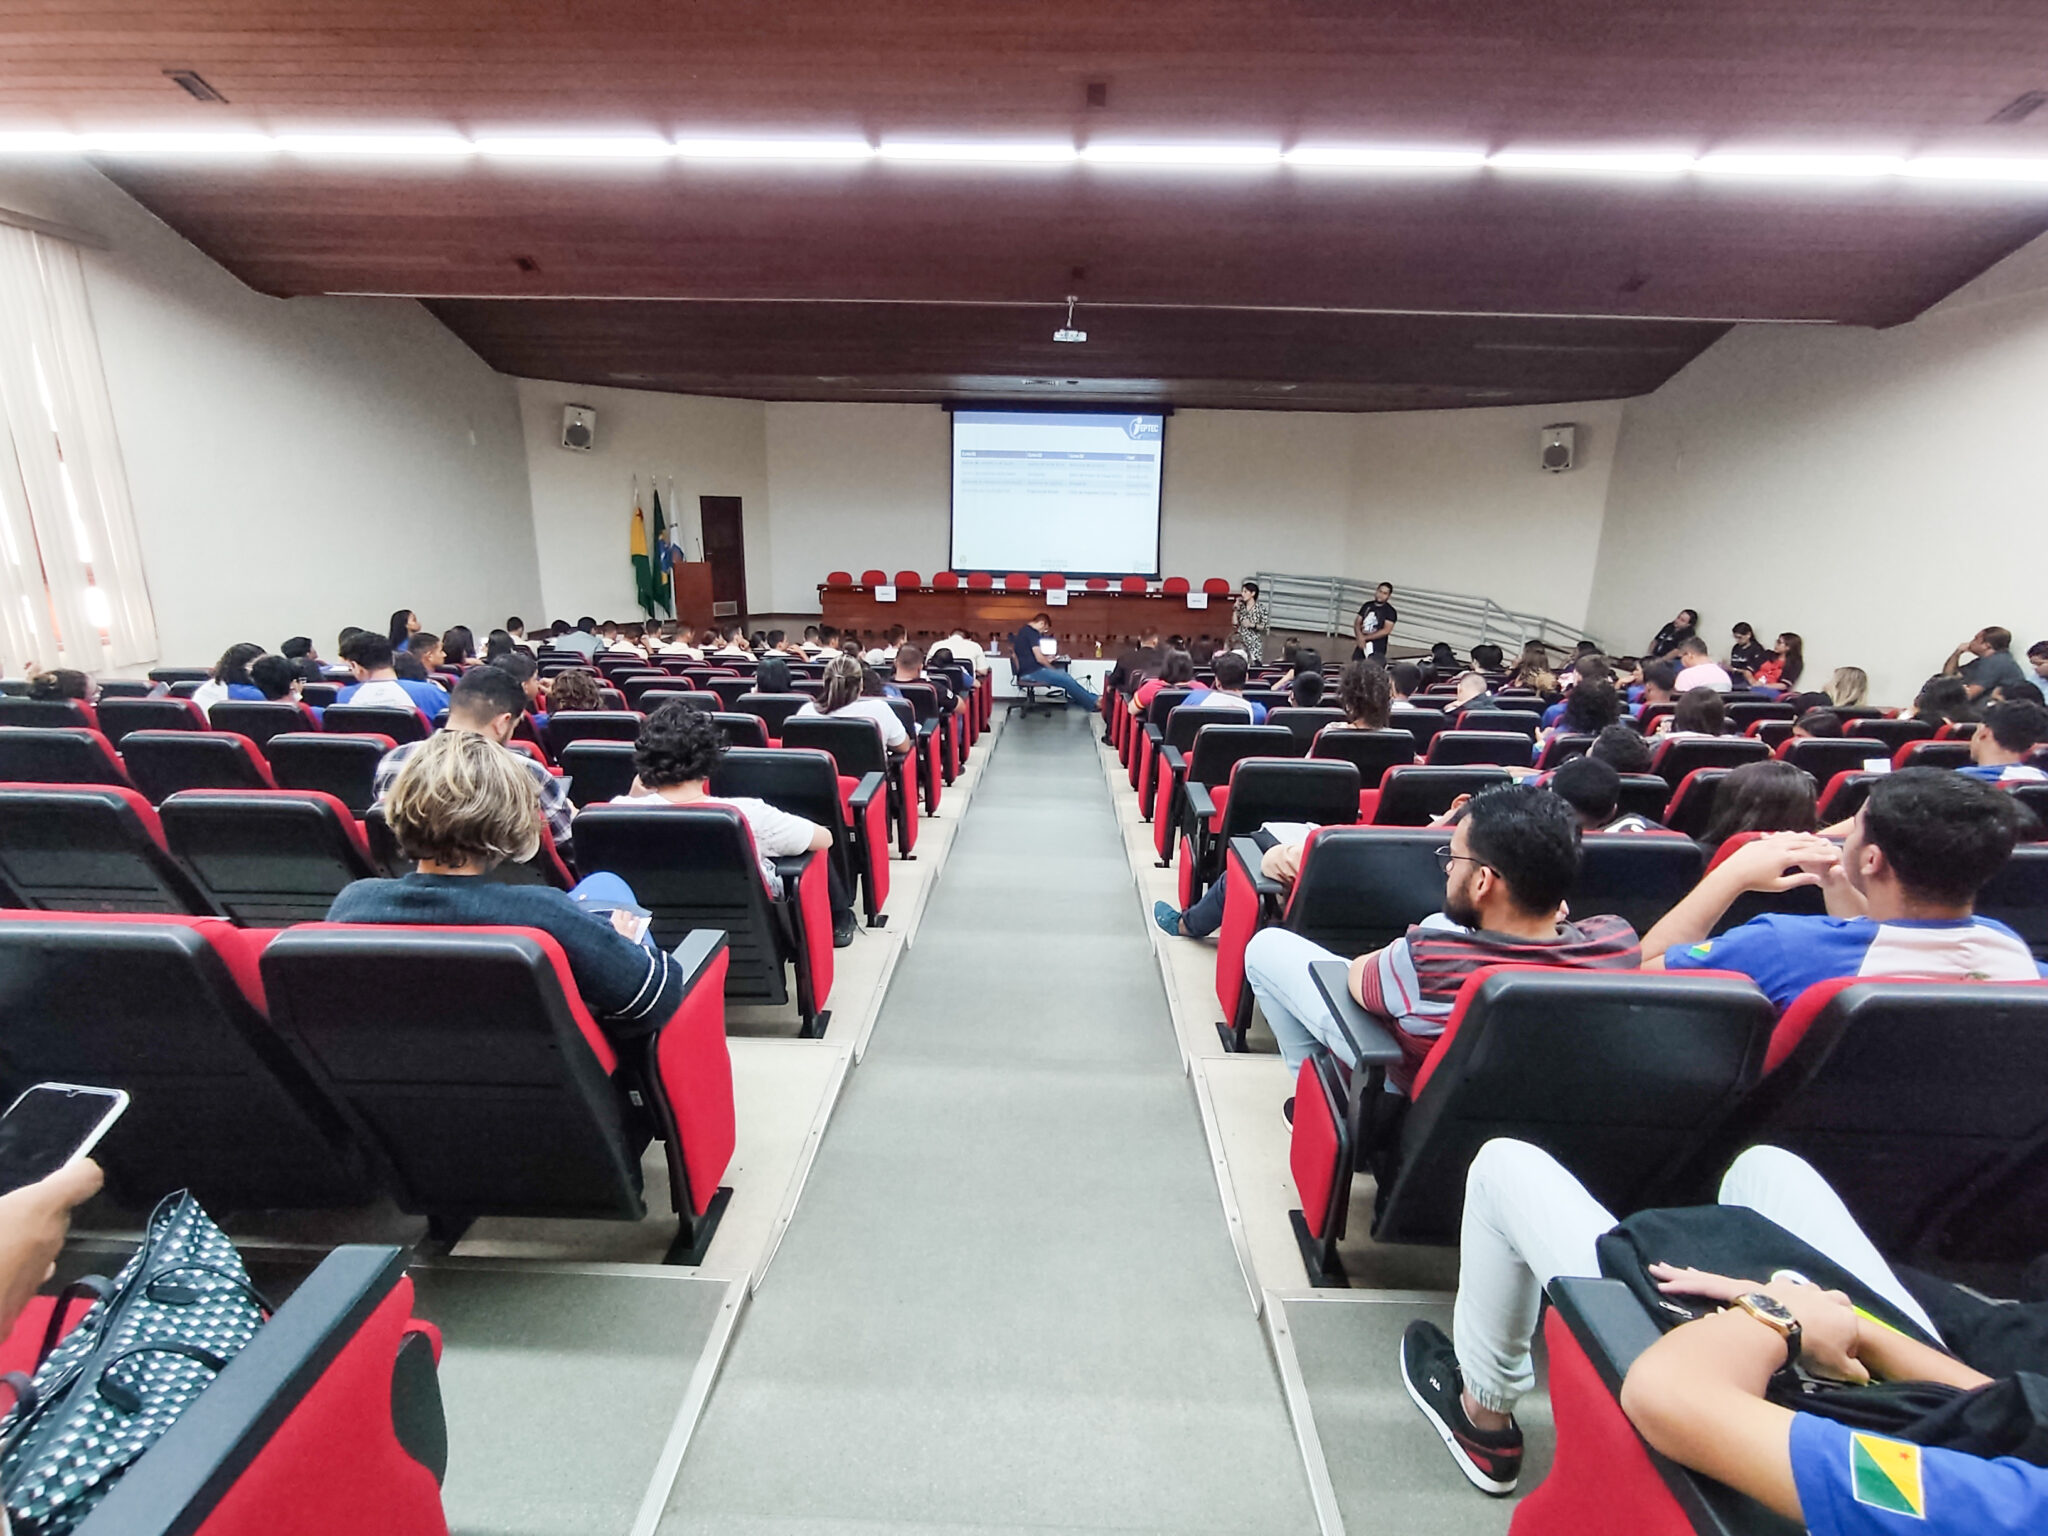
[
  {"x": 643, "y": 566},
  {"x": 664, "y": 557}
]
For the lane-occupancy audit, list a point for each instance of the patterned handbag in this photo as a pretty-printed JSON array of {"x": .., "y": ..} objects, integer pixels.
[{"x": 179, "y": 1310}]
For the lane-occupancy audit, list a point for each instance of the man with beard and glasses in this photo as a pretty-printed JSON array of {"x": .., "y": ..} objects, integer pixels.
[{"x": 1514, "y": 856}]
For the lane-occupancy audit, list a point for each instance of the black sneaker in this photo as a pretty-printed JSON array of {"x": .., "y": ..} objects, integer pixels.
[
  {"x": 1287, "y": 1113},
  {"x": 1492, "y": 1459},
  {"x": 843, "y": 925}
]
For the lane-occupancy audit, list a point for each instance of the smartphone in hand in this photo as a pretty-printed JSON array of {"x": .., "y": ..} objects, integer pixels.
[{"x": 50, "y": 1125}]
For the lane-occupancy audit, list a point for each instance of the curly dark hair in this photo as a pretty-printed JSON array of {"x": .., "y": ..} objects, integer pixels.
[
  {"x": 1592, "y": 706},
  {"x": 677, "y": 744},
  {"x": 1366, "y": 692}
]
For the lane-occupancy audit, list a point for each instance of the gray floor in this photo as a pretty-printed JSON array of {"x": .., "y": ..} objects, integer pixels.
[{"x": 1008, "y": 1302}]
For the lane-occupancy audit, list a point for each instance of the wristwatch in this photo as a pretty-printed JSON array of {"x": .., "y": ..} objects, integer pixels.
[{"x": 1775, "y": 1315}]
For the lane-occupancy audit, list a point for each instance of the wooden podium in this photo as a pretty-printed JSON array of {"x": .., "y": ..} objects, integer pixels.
[{"x": 692, "y": 580}]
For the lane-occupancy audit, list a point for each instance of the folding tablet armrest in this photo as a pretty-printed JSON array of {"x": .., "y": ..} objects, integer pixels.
[
  {"x": 870, "y": 785},
  {"x": 1201, "y": 802},
  {"x": 1174, "y": 759},
  {"x": 1248, "y": 853},
  {"x": 1371, "y": 1045},
  {"x": 1154, "y": 735},
  {"x": 700, "y": 947}
]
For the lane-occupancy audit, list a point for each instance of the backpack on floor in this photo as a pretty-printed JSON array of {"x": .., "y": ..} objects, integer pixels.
[{"x": 155, "y": 1338}]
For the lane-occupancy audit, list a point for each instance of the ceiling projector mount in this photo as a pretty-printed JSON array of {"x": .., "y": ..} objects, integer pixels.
[{"x": 1067, "y": 331}]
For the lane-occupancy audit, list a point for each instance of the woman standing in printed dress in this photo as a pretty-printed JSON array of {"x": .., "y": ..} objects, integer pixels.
[{"x": 1249, "y": 618}]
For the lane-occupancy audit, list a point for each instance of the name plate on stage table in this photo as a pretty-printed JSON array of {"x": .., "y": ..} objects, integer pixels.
[
  {"x": 1198, "y": 600},
  {"x": 1055, "y": 597},
  {"x": 885, "y": 594}
]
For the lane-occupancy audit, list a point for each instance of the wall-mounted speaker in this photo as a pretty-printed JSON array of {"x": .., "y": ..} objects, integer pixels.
[
  {"x": 579, "y": 428},
  {"x": 1559, "y": 449}
]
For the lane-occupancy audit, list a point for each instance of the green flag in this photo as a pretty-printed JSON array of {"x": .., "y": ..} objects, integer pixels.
[{"x": 664, "y": 556}]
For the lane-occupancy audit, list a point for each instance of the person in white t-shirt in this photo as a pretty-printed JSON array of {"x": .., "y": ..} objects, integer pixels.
[
  {"x": 672, "y": 761},
  {"x": 965, "y": 648},
  {"x": 846, "y": 695},
  {"x": 1697, "y": 669}
]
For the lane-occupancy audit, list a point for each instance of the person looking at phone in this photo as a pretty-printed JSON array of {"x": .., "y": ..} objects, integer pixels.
[
  {"x": 34, "y": 1221},
  {"x": 461, "y": 806}
]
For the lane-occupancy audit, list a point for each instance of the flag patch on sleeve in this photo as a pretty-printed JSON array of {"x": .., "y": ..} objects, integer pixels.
[
  {"x": 1700, "y": 951},
  {"x": 1885, "y": 1474}
]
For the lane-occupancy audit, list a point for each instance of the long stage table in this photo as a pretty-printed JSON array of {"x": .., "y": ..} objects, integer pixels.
[{"x": 1089, "y": 619}]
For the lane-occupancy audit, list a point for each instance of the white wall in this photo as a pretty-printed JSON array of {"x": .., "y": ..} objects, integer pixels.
[
  {"x": 1880, "y": 492},
  {"x": 583, "y": 502},
  {"x": 295, "y": 465}
]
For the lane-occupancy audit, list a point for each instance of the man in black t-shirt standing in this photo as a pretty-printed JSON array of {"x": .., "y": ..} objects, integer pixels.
[{"x": 1375, "y": 622}]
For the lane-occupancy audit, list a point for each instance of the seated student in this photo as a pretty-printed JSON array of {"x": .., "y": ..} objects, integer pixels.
[
  {"x": 1134, "y": 663},
  {"x": 377, "y": 686},
  {"x": 277, "y": 680},
  {"x": 1901, "y": 895},
  {"x": 846, "y": 696},
  {"x": 2037, "y": 658},
  {"x": 672, "y": 761},
  {"x": 772, "y": 676},
  {"x": 516, "y": 628},
  {"x": 299, "y": 652},
  {"x": 1622, "y": 747},
  {"x": 1817, "y": 724},
  {"x": 230, "y": 677},
  {"x": 1513, "y": 856},
  {"x": 404, "y": 625},
  {"x": 1365, "y": 692},
  {"x": 1697, "y": 1395},
  {"x": 1592, "y": 788},
  {"x": 576, "y": 689},
  {"x": 488, "y": 702},
  {"x": 2002, "y": 744},
  {"x": 734, "y": 643},
  {"x": 1592, "y": 706},
  {"x": 1030, "y": 662},
  {"x": 582, "y": 639},
  {"x": 1746, "y": 653},
  {"x": 462, "y": 806},
  {"x": 876, "y": 655},
  {"x": 1471, "y": 692},
  {"x": 521, "y": 668},
  {"x": 1767, "y": 796},
  {"x": 1659, "y": 684},
  {"x": 1849, "y": 687},
  {"x": 1590, "y": 666},
  {"x": 1672, "y": 635},
  {"x": 458, "y": 647},
  {"x": 1306, "y": 686},
  {"x": 1533, "y": 670},
  {"x": 64, "y": 683},
  {"x": 425, "y": 652},
  {"x": 1176, "y": 670},
  {"x": 813, "y": 640},
  {"x": 1992, "y": 663},
  {"x": 2019, "y": 693},
  {"x": 966, "y": 648},
  {"x": 498, "y": 645},
  {"x": 1443, "y": 661},
  {"x": 1785, "y": 665},
  {"x": 1700, "y": 712},
  {"x": 1943, "y": 701},
  {"x": 1697, "y": 669},
  {"x": 1228, "y": 690},
  {"x": 675, "y": 640},
  {"x": 908, "y": 667},
  {"x": 1404, "y": 679}
]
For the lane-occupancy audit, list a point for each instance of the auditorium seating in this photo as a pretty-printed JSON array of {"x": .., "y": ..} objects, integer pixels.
[
  {"x": 694, "y": 867},
  {"x": 118, "y": 717},
  {"x": 1675, "y": 757},
  {"x": 1893, "y": 733},
  {"x": 741, "y": 730},
  {"x": 359, "y": 720},
  {"x": 1259, "y": 790},
  {"x": 1645, "y": 795},
  {"x": 1305, "y": 722},
  {"x": 2018, "y": 895},
  {"x": 261, "y": 721},
  {"x": 1372, "y": 753},
  {"x": 808, "y": 784},
  {"x": 342, "y": 766},
  {"x": 50, "y": 714},
  {"x": 1160, "y": 776},
  {"x": 773, "y": 708},
  {"x": 1843, "y": 796},
  {"x": 1926, "y": 753},
  {"x": 597, "y": 771},
  {"x": 526, "y": 1116},
  {"x": 1458, "y": 746},
  {"x": 1576, "y": 1062},
  {"x": 1213, "y": 755},
  {"x": 567, "y": 725},
  {"x": 1422, "y": 724},
  {"x": 163, "y": 762},
  {"x": 89, "y": 848},
  {"x": 267, "y": 857},
  {"x": 58, "y": 755},
  {"x": 1691, "y": 807},
  {"x": 1824, "y": 757},
  {"x": 1417, "y": 794},
  {"x": 856, "y": 746},
  {"x": 1528, "y": 722}
]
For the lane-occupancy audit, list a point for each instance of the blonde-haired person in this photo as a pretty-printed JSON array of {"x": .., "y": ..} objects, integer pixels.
[
  {"x": 461, "y": 806},
  {"x": 846, "y": 696},
  {"x": 1849, "y": 686}
]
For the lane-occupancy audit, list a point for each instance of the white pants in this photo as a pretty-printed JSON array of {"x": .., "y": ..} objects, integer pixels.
[
  {"x": 1527, "y": 1220},
  {"x": 1276, "y": 965}
]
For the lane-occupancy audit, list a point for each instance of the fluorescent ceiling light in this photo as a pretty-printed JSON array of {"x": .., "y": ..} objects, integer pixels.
[
  {"x": 27, "y": 143},
  {"x": 176, "y": 143},
  {"x": 1385, "y": 157},
  {"x": 1203, "y": 156},
  {"x": 375, "y": 145},
  {"x": 979, "y": 154},
  {"x": 575, "y": 148},
  {"x": 1592, "y": 162},
  {"x": 774, "y": 149},
  {"x": 1945, "y": 168},
  {"x": 1821, "y": 167}
]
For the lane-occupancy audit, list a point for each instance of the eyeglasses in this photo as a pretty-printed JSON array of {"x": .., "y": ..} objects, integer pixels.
[{"x": 1445, "y": 859}]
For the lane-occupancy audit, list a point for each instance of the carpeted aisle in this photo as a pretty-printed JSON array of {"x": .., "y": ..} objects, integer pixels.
[{"x": 1007, "y": 1302}]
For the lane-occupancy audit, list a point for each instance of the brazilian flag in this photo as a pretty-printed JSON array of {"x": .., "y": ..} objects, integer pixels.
[
  {"x": 664, "y": 555},
  {"x": 643, "y": 565}
]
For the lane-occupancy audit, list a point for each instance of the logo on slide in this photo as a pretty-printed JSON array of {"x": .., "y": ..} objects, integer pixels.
[{"x": 1141, "y": 427}]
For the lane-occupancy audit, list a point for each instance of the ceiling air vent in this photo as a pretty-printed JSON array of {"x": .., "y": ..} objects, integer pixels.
[
  {"x": 2019, "y": 109},
  {"x": 190, "y": 82}
]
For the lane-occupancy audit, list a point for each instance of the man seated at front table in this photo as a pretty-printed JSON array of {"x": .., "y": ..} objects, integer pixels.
[
  {"x": 2000, "y": 747},
  {"x": 377, "y": 686},
  {"x": 488, "y": 702},
  {"x": 1030, "y": 660},
  {"x": 1901, "y": 895},
  {"x": 1514, "y": 854}
]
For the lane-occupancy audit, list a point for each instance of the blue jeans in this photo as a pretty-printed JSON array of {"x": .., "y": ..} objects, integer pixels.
[
  {"x": 1071, "y": 686},
  {"x": 1206, "y": 915}
]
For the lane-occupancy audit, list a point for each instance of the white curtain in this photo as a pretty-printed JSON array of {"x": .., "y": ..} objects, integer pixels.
[{"x": 71, "y": 573}]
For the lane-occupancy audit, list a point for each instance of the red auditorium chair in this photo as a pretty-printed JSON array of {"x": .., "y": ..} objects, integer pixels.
[
  {"x": 808, "y": 784},
  {"x": 1675, "y": 757},
  {"x": 261, "y": 720},
  {"x": 1843, "y": 796},
  {"x": 1575, "y": 1062},
  {"x": 1932, "y": 754},
  {"x": 342, "y": 766},
  {"x": 1215, "y": 748},
  {"x": 1161, "y": 775},
  {"x": 358, "y": 720},
  {"x": 597, "y": 770},
  {"x": 1259, "y": 790},
  {"x": 120, "y": 716},
  {"x": 980, "y": 581},
  {"x": 1526, "y": 722},
  {"x": 267, "y": 857},
  {"x": 938, "y": 734},
  {"x": 1216, "y": 586},
  {"x": 1826, "y": 756},
  {"x": 773, "y": 708},
  {"x": 741, "y": 730},
  {"x": 1372, "y": 753},
  {"x": 946, "y": 581},
  {"x": 1134, "y": 584},
  {"x": 50, "y": 714},
  {"x": 58, "y": 755},
  {"x": 1748, "y": 712},
  {"x": 2034, "y": 796},
  {"x": 1151, "y": 730},
  {"x": 856, "y": 746},
  {"x": 1652, "y": 713},
  {"x": 1098, "y": 584},
  {"x": 1457, "y": 747},
  {"x": 908, "y": 581},
  {"x": 1017, "y": 581},
  {"x": 1415, "y": 796},
  {"x": 173, "y": 675},
  {"x": 544, "y": 868},
  {"x": 1949, "y": 730},
  {"x": 1691, "y": 807},
  {"x": 1562, "y": 748},
  {"x": 230, "y": 1114},
  {"x": 874, "y": 578},
  {"x": 694, "y": 867},
  {"x": 1636, "y": 876},
  {"x": 89, "y": 848},
  {"x": 163, "y": 762},
  {"x": 1053, "y": 581},
  {"x": 330, "y": 1419},
  {"x": 527, "y": 1116},
  {"x": 728, "y": 688},
  {"x": 1772, "y": 733},
  {"x": 703, "y": 700},
  {"x": 839, "y": 581},
  {"x": 567, "y": 725},
  {"x": 1644, "y": 795},
  {"x": 1304, "y": 721},
  {"x": 1893, "y": 733},
  {"x": 2017, "y": 895},
  {"x": 1174, "y": 586},
  {"x": 1423, "y": 724}
]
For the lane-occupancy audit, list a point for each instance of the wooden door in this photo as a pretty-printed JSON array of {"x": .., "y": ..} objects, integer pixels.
[{"x": 725, "y": 551}]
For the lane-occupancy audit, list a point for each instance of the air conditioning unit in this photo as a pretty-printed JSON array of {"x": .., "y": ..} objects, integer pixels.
[
  {"x": 1559, "y": 449},
  {"x": 579, "y": 428}
]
